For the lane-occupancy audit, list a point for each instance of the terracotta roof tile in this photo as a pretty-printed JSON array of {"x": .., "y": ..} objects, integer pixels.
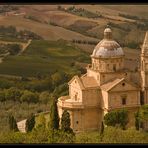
[{"x": 89, "y": 82}]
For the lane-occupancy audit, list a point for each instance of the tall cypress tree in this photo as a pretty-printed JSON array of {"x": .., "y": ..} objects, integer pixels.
[
  {"x": 137, "y": 124},
  {"x": 102, "y": 128},
  {"x": 12, "y": 123},
  {"x": 30, "y": 123},
  {"x": 65, "y": 122},
  {"x": 54, "y": 116}
]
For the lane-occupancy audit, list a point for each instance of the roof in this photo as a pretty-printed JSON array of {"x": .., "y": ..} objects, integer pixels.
[
  {"x": 109, "y": 85},
  {"x": 89, "y": 82},
  {"x": 79, "y": 81},
  {"x": 85, "y": 81},
  {"x": 107, "y": 47}
]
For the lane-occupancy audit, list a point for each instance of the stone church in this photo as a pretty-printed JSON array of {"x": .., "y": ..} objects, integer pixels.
[{"x": 107, "y": 85}]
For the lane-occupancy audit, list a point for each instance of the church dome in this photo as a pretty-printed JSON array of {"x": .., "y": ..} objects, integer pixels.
[{"x": 107, "y": 47}]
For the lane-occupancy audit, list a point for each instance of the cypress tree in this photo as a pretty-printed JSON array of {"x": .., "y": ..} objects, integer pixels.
[
  {"x": 12, "y": 123},
  {"x": 54, "y": 116},
  {"x": 42, "y": 121},
  {"x": 65, "y": 122},
  {"x": 137, "y": 122},
  {"x": 102, "y": 128},
  {"x": 30, "y": 123}
]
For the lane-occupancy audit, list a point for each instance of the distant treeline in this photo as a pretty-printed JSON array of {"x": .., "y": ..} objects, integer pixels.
[
  {"x": 80, "y": 12},
  {"x": 31, "y": 17},
  {"x": 13, "y": 49},
  {"x": 127, "y": 29},
  {"x": 84, "y": 42},
  {"x": 11, "y": 31},
  {"x": 8, "y": 8},
  {"x": 141, "y": 23},
  {"x": 129, "y": 16}
]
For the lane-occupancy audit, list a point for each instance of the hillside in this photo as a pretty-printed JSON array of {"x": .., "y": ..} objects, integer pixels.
[
  {"x": 83, "y": 25},
  {"x": 44, "y": 57},
  {"x": 54, "y": 23},
  {"x": 43, "y": 46},
  {"x": 48, "y": 32}
]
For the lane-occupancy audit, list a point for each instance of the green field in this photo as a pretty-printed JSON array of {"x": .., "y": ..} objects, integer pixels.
[{"x": 44, "y": 57}]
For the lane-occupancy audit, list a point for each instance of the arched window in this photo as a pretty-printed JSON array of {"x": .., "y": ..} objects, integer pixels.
[{"x": 76, "y": 96}]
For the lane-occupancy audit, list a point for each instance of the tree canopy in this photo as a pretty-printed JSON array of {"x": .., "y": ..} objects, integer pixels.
[
  {"x": 54, "y": 116},
  {"x": 117, "y": 117}
]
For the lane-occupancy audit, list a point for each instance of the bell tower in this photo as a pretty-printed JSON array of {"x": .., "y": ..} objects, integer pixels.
[{"x": 144, "y": 69}]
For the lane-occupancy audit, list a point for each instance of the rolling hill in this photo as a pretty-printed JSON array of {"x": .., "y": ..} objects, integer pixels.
[
  {"x": 55, "y": 22},
  {"x": 44, "y": 57}
]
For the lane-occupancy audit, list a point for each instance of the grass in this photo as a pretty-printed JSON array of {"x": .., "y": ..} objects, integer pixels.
[
  {"x": 46, "y": 31},
  {"x": 12, "y": 39},
  {"x": 20, "y": 110},
  {"x": 43, "y": 57}
]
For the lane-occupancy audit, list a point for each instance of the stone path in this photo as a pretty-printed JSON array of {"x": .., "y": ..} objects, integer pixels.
[{"x": 24, "y": 47}]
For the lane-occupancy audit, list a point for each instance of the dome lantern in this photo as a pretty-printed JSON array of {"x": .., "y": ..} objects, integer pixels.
[
  {"x": 107, "y": 33},
  {"x": 107, "y": 47}
]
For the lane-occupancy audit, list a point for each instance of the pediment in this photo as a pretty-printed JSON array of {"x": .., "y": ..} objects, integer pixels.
[
  {"x": 123, "y": 86},
  {"x": 76, "y": 82}
]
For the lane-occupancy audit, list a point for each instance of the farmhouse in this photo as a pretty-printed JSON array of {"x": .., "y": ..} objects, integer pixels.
[{"x": 107, "y": 85}]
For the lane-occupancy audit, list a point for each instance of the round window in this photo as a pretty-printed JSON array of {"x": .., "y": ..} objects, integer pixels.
[{"x": 123, "y": 84}]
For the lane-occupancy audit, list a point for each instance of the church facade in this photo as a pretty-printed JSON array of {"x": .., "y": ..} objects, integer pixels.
[{"x": 107, "y": 85}]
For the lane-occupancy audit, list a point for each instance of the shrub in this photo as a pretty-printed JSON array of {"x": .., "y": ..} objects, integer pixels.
[
  {"x": 41, "y": 121},
  {"x": 14, "y": 49},
  {"x": 13, "y": 93},
  {"x": 137, "y": 120},
  {"x": 88, "y": 137},
  {"x": 12, "y": 123},
  {"x": 12, "y": 138},
  {"x": 116, "y": 135},
  {"x": 2, "y": 96},
  {"x": 61, "y": 90},
  {"x": 30, "y": 123},
  {"x": 143, "y": 113},
  {"x": 44, "y": 97},
  {"x": 29, "y": 97},
  {"x": 61, "y": 137},
  {"x": 117, "y": 117}
]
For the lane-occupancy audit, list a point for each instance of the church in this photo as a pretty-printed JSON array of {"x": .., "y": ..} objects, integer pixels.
[{"x": 108, "y": 85}]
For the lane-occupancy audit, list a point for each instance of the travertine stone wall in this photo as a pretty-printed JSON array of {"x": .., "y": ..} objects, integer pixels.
[
  {"x": 132, "y": 99},
  {"x": 75, "y": 91},
  {"x": 91, "y": 97}
]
